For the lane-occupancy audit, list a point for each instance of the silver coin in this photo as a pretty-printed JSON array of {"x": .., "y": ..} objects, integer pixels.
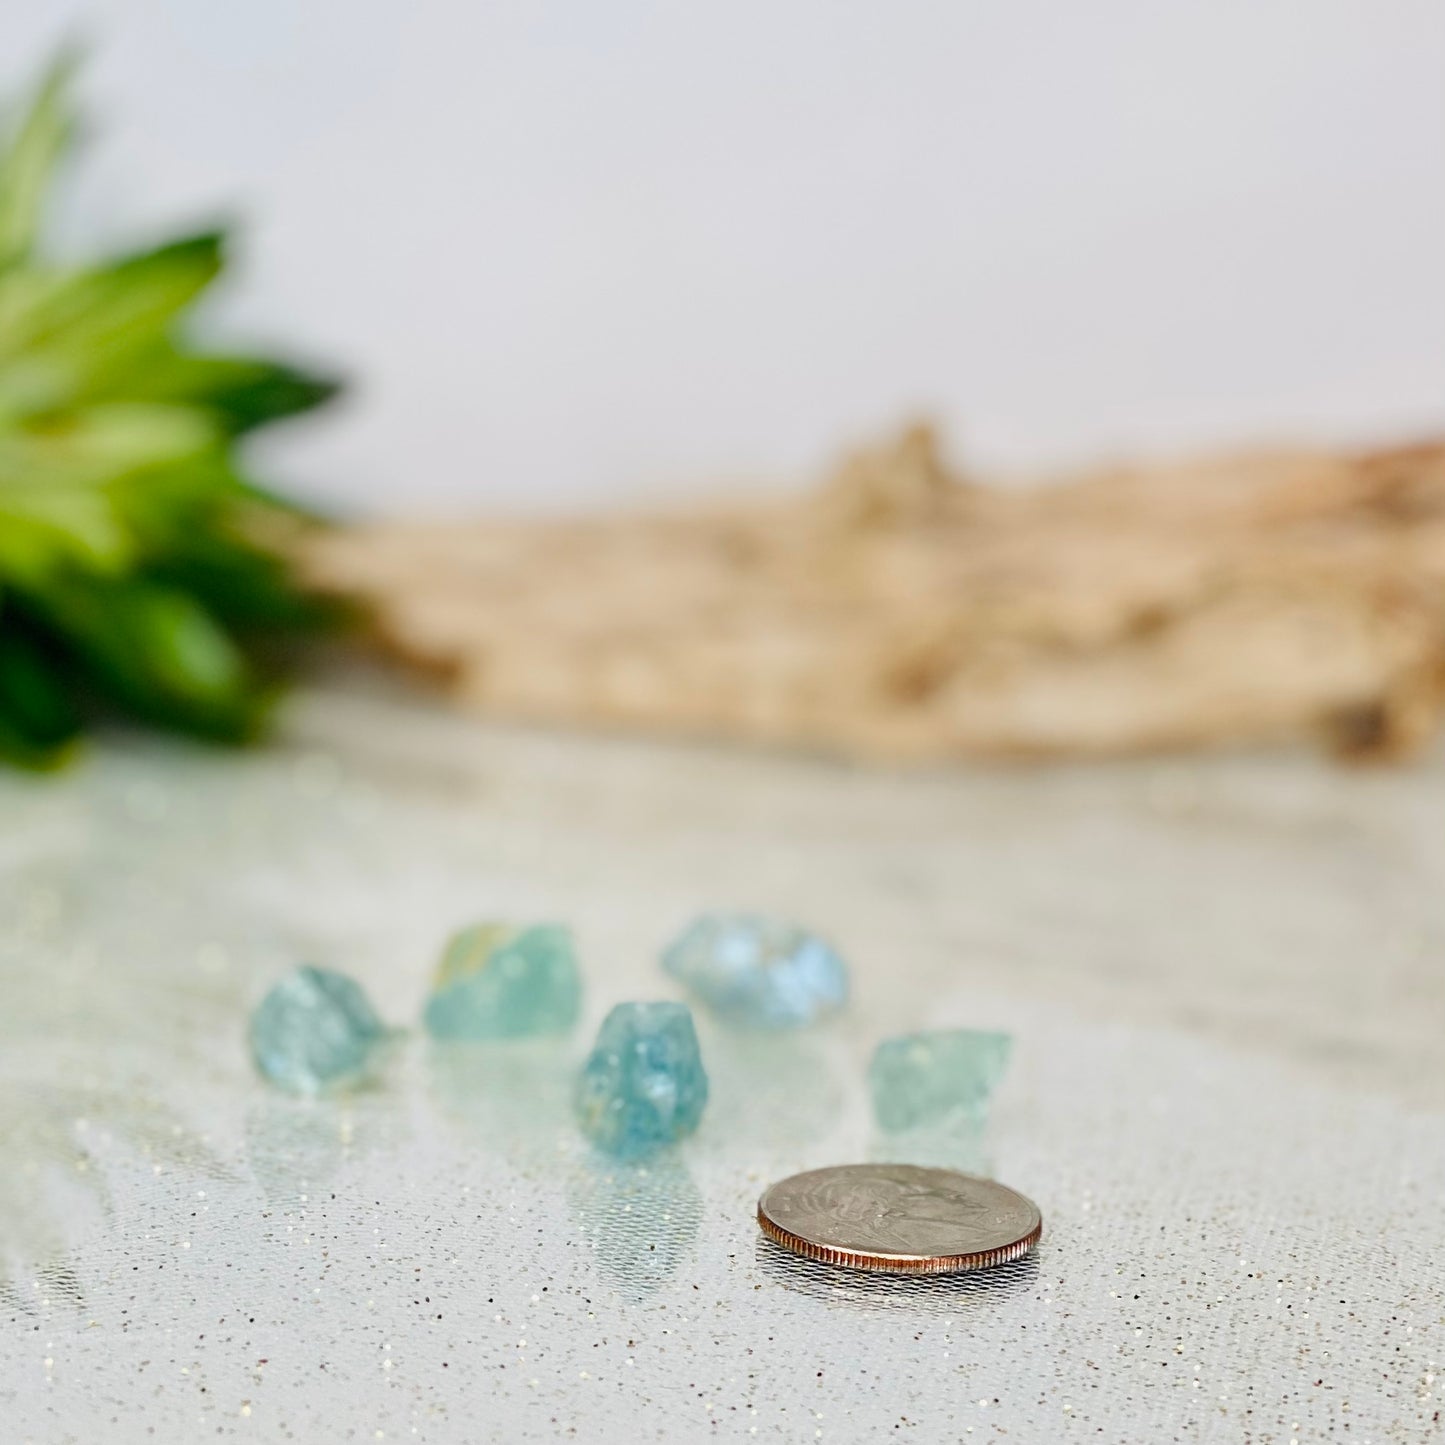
[{"x": 900, "y": 1218}]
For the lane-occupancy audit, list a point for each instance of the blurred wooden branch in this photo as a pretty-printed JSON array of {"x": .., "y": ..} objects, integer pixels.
[{"x": 902, "y": 612}]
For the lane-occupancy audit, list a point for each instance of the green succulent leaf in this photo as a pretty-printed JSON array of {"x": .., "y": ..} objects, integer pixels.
[
  {"x": 27, "y": 162},
  {"x": 38, "y": 720},
  {"x": 85, "y": 335},
  {"x": 133, "y": 574},
  {"x": 241, "y": 392},
  {"x": 157, "y": 652}
]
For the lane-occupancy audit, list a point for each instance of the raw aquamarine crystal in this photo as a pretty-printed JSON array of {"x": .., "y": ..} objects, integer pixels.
[
  {"x": 314, "y": 1029},
  {"x": 643, "y": 1085},
  {"x": 496, "y": 982},
  {"x": 758, "y": 972},
  {"x": 931, "y": 1078}
]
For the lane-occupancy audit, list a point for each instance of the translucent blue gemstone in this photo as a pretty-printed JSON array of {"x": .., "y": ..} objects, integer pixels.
[
  {"x": 315, "y": 1029},
  {"x": 643, "y": 1085},
  {"x": 758, "y": 972},
  {"x": 934, "y": 1078},
  {"x": 496, "y": 982}
]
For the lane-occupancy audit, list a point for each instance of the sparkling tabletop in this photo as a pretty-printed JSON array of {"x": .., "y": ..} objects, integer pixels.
[{"x": 1227, "y": 1096}]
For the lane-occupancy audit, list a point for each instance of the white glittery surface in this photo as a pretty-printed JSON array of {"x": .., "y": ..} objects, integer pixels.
[{"x": 1228, "y": 1099}]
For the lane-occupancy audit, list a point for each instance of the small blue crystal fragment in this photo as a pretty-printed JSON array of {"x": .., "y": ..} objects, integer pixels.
[
  {"x": 496, "y": 982},
  {"x": 643, "y": 1085},
  {"x": 758, "y": 972},
  {"x": 315, "y": 1029},
  {"x": 934, "y": 1078}
]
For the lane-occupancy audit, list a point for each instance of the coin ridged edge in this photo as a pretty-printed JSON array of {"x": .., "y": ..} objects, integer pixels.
[{"x": 899, "y": 1264}]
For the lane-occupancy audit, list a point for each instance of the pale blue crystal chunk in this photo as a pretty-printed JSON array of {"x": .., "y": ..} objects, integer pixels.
[
  {"x": 758, "y": 972},
  {"x": 315, "y": 1029},
  {"x": 496, "y": 982},
  {"x": 934, "y": 1078},
  {"x": 643, "y": 1085}
]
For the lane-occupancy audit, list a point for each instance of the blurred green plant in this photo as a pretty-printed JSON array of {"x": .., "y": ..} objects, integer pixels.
[{"x": 138, "y": 566}]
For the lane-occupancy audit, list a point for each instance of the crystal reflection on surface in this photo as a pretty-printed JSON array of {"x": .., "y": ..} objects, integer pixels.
[
  {"x": 639, "y": 1220},
  {"x": 786, "y": 1085},
  {"x": 960, "y": 1143},
  {"x": 512, "y": 1097},
  {"x": 297, "y": 1146}
]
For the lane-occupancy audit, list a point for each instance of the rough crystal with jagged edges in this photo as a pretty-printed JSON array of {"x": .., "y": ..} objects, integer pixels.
[
  {"x": 315, "y": 1030},
  {"x": 755, "y": 971},
  {"x": 938, "y": 1077},
  {"x": 643, "y": 1085},
  {"x": 497, "y": 982}
]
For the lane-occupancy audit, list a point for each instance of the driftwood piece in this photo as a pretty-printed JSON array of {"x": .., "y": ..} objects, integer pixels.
[{"x": 902, "y": 612}]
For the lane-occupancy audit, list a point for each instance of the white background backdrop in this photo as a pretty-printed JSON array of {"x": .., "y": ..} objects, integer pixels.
[{"x": 575, "y": 251}]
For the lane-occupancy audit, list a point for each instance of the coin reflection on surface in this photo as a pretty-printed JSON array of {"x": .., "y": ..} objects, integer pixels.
[{"x": 945, "y": 1295}]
